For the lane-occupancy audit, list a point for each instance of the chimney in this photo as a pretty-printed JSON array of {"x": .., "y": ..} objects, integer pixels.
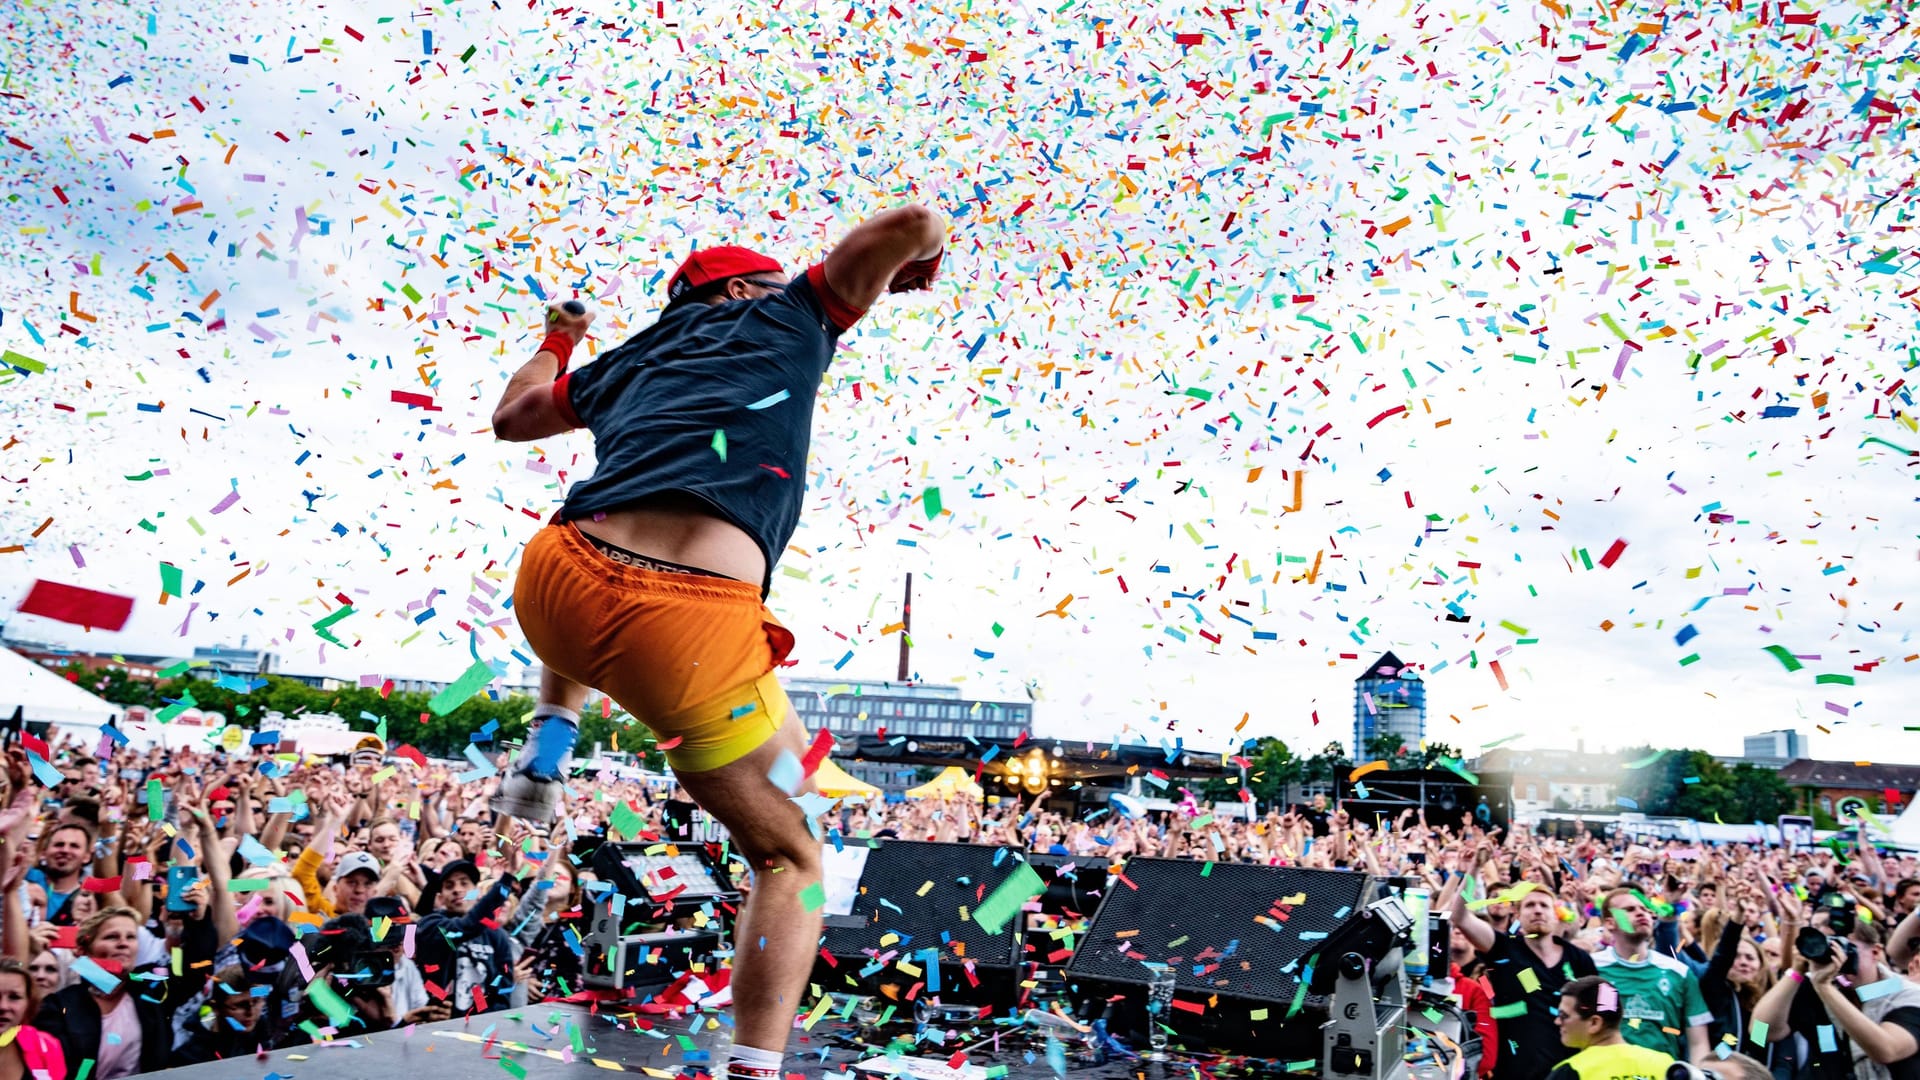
[{"x": 906, "y": 628}]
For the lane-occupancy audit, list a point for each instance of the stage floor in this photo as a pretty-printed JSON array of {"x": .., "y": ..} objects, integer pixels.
[{"x": 540, "y": 1042}]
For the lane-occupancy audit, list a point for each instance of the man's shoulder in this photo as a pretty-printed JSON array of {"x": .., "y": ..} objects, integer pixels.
[{"x": 1671, "y": 964}]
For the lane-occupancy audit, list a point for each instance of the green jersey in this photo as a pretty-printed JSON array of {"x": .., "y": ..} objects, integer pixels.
[{"x": 1659, "y": 1000}]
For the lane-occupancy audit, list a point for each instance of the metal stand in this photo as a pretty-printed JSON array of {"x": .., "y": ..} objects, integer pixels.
[
  {"x": 617, "y": 959},
  {"x": 1364, "y": 1036},
  {"x": 639, "y": 961}
]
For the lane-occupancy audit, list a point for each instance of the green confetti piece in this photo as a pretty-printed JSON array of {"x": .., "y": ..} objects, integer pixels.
[
  {"x": 1785, "y": 657},
  {"x": 1508, "y": 1012},
  {"x": 339, "y": 1013},
  {"x": 25, "y": 365},
  {"x": 720, "y": 444},
  {"x": 325, "y": 634},
  {"x": 932, "y": 499},
  {"x": 466, "y": 56},
  {"x": 513, "y": 1068},
  {"x": 170, "y": 579},
  {"x": 410, "y": 293},
  {"x": 999, "y": 906},
  {"x": 174, "y": 671},
  {"x": 462, "y": 688},
  {"x": 156, "y": 800},
  {"x": 1645, "y": 761},
  {"x": 625, "y": 821},
  {"x": 186, "y": 702},
  {"x": 1833, "y": 680},
  {"x": 1882, "y": 442},
  {"x": 814, "y": 896}
]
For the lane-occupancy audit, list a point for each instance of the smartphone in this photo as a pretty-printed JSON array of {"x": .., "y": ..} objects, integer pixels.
[
  {"x": 1416, "y": 858},
  {"x": 179, "y": 880}
]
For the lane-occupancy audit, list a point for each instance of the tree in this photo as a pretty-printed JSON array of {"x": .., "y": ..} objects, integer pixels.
[
  {"x": 1385, "y": 746},
  {"x": 1270, "y": 768},
  {"x": 1693, "y": 784},
  {"x": 113, "y": 684},
  {"x": 1326, "y": 767},
  {"x": 1762, "y": 796},
  {"x": 1431, "y": 754}
]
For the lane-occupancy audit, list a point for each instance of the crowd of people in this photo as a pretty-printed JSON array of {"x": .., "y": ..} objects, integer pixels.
[{"x": 169, "y": 908}]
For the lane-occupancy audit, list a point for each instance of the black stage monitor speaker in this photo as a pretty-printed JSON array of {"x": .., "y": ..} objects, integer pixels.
[
  {"x": 908, "y": 899},
  {"x": 1237, "y": 935}
]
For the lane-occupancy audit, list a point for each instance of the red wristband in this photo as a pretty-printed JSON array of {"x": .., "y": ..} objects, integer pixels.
[
  {"x": 560, "y": 345},
  {"x": 918, "y": 274}
]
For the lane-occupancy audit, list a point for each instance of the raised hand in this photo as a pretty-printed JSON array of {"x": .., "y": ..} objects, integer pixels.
[{"x": 569, "y": 317}]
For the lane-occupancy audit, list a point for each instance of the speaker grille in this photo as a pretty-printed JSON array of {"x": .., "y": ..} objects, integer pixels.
[
  {"x": 962, "y": 875},
  {"x": 1203, "y": 923}
]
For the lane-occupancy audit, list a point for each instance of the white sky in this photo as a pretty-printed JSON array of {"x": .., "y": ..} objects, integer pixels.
[{"x": 1487, "y": 150}]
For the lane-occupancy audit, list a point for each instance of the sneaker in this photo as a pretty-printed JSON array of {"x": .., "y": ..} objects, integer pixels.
[{"x": 523, "y": 797}]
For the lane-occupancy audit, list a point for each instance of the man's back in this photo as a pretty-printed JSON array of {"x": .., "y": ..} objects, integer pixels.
[{"x": 1621, "y": 1061}]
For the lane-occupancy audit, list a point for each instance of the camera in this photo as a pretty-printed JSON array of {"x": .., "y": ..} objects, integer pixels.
[
  {"x": 357, "y": 962},
  {"x": 1819, "y": 948},
  {"x": 1841, "y": 911},
  {"x": 1681, "y": 1070}
]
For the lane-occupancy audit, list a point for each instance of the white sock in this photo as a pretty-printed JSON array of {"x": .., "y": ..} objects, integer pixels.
[
  {"x": 760, "y": 1062},
  {"x": 561, "y": 711}
]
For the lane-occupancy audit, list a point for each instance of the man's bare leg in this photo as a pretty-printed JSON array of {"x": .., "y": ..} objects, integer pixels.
[
  {"x": 775, "y": 936},
  {"x": 531, "y": 789}
]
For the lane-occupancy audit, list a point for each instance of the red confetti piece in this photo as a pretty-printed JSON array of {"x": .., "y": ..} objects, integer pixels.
[
  {"x": 1613, "y": 554},
  {"x": 817, "y": 753},
  {"x": 670, "y": 743},
  {"x": 81, "y": 607}
]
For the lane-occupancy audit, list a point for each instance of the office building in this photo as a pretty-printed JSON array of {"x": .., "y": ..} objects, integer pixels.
[
  {"x": 1772, "y": 749},
  {"x": 851, "y": 709},
  {"x": 1388, "y": 699}
]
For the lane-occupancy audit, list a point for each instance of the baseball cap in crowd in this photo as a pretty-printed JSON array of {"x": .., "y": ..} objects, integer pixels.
[
  {"x": 266, "y": 940},
  {"x": 461, "y": 866},
  {"x": 358, "y": 862},
  {"x": 709, "y": 265}
]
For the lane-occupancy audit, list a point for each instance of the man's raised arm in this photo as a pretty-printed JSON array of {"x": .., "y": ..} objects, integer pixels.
[
  {"x": 890, "y": 252},
  {"x": 534, "y": 405}
]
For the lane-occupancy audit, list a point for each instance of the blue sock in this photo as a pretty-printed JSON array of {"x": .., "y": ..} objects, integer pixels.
[{"x": 551, "y": 747}]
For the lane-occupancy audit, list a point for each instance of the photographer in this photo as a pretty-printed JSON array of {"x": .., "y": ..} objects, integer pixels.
[
  {"x": 1870, "y": 1015},
  {"x": 345, "y": 957}
]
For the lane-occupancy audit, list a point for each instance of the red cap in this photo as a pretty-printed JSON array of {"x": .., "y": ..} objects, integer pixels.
[{"x": 708, "y": 265}]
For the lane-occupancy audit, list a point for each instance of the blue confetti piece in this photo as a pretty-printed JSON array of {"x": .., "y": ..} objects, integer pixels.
[
  {"x": 787, "y": 773},
  {"x": 770, "y": 400}
]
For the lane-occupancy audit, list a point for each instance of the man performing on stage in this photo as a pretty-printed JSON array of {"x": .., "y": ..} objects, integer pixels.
[{"x": 650, "y": 582}]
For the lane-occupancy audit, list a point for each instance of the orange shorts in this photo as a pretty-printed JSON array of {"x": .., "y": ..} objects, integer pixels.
[{"x": 691, "y": 657}]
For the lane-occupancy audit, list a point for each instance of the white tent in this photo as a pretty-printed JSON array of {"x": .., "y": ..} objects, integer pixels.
[
  {"x": 45, "y": 697},
  {"x": 1903, "y": 831}
]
